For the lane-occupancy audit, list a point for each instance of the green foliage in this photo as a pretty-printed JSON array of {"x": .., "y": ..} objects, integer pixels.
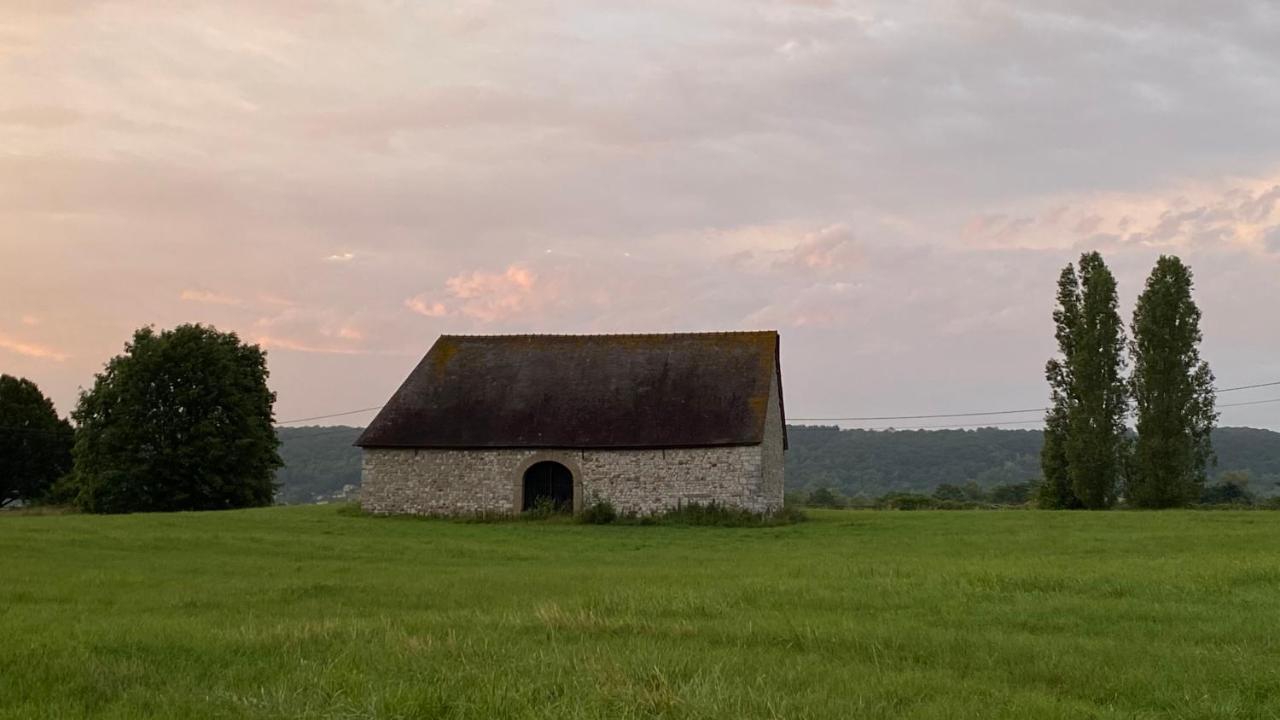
[
  {"x": 35, "y": 444},
  {"x": 907, "y": 501},
  {"x": 1098, "y": 398},
  {"x": 598, "y": 512},
  {"x": 1084, "y": 454},
  {"x": 947, "y": 491},
  {"x": 601, "y": 512},
  {"x": 855, "y": 465},
  {"x": 1014, "y": 494},
  {"x": 544, "y": 508},
  {"x": 825, "y": 497},
  {"x": 969, "y": 492},
  {"x": 1231, "y": 489},
  {"x": 1249, "y": 450},
  {"x": 320, "y": 463},
  {"x": 180, "y": 421},
  {"x": 871, "y": 463},
  {"x": 794, "y": 498},
  {"x": 1056, "y": 490},
  {"x": 1172, "y": 391},
  {"x": 724, "y": 516}
]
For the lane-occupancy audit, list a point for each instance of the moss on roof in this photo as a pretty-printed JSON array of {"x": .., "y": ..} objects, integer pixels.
[{"x": 583, "y": 391}]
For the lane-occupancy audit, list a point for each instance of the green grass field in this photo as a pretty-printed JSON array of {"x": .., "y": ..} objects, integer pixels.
[{"x": 316, "y": 612}]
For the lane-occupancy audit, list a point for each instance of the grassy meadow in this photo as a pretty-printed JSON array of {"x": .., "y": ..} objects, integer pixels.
[{"x": 319, "y": 612}]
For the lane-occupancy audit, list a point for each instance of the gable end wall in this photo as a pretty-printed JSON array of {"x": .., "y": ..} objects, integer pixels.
[{"x": 772, "y": 461}]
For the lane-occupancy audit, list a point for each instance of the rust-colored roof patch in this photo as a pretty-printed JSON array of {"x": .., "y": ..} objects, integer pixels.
[{"x": 584, "y": 391}]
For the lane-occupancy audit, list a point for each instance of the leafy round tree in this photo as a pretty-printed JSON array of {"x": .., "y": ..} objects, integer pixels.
[
  {"x": 1172, "y": 392},
  {"x": 35, "y": 444},
  {"x": 181, "y": 421}
]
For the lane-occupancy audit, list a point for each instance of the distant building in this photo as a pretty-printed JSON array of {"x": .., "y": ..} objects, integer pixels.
[{"x": 646, "y": 422}]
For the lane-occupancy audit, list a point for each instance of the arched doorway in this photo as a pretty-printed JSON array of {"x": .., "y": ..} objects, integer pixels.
[{"x": 548, "y": 481}]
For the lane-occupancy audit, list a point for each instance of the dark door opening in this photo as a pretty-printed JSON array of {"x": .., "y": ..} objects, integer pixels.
[{"x": 548, "y": 482}]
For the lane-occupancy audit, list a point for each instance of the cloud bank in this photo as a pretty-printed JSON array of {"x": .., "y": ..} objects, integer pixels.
[{"x": 894, "y": 186}]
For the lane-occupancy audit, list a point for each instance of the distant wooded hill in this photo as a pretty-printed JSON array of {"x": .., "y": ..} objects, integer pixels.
[
  {"x": 322, "y": 464},
  {"x": 319, "y": 462}
]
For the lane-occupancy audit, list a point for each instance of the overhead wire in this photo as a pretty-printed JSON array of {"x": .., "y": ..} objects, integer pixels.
[
  {"x": 867, "y": 418},
  {"x": 936, "y": 416},
  {"x": 331, "y": 415}
]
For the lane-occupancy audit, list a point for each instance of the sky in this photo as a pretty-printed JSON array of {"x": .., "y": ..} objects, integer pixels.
[{"x": 893, "y": 186}]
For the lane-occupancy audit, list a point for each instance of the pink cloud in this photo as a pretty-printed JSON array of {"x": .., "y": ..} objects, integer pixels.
[
  {"x": 207, "y": 297},
  {"x": 1217, "y": 215},
  {"x": 30, "y": 349},
  {"x": 832, "y": 248},
  {"x": 485, "y": 296},
  {"x": 313, "y": 330},
  {"x": 819, "y": 306},
  {"x": 276, "y": 300},
  {"x": 421, "y": 305},
  {"x": 286, "y": 343}
]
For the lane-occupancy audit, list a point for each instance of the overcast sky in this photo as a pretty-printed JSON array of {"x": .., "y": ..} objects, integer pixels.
[{"x": 893, "y": 186}]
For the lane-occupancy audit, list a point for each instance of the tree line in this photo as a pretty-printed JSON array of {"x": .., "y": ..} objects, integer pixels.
[
  {"x": 182, "y": 420},
  {"x": 860, "y": 468},
  {"x": 1090, "y": 459}
]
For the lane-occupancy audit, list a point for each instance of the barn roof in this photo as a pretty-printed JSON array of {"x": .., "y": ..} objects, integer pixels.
[{"x": 584, "y": 391}]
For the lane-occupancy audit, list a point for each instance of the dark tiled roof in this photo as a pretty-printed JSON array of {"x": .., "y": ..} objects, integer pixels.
[{"x": 584, "y": 391}]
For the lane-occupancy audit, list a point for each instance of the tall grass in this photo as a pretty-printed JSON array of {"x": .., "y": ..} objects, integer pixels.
[{"x": 316, "y": 612}]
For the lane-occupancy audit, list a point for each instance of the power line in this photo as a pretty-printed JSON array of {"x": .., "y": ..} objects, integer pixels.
[
  {"x": 893, "y": 417},
  {"x": 938, "y": 416},
  {"x": 332, "y": 415},
  {"x": 1247, "y": 387},
  {"x": 947, "y": 427},
  {"x": 1014, "y": 422},
  {"x": 1254, "y": 402},
  {"x": 925, "y": 417}
]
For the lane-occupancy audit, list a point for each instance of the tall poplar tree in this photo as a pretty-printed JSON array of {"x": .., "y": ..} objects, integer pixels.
[
  {"x": 1055, "y": 491},
  {"x": 1172, "y": 391},
  {"x": 1084, "y": 456},
  {"x": 1096, "y": 442}
]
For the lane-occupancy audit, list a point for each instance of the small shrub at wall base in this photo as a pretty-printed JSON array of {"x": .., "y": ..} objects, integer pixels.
[
  {"x": 598, "y": 512},
  {"x": 726, "y": 516},
  {"x": 602, "y": 512},
  {"x": 542, "y": 509}
]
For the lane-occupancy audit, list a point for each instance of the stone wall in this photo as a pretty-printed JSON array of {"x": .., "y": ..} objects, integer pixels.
[
  {"x": 438, "y": 482},
  {"x": 461, "y": 482},
  {"x": 772, "y": 473},
  {"x": 647, "y": 481}
]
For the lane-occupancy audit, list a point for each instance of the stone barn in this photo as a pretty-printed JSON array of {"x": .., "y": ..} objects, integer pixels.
[{"x": 496, "y": 424}]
